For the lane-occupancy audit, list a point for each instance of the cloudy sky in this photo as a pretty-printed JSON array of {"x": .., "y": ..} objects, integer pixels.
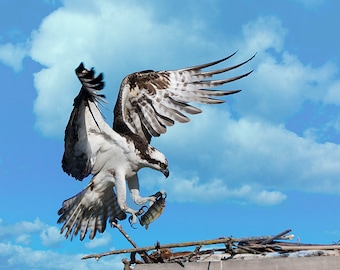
[{"x": 265, "y": 161}]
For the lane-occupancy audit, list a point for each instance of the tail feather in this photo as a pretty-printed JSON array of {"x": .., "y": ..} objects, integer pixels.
[{"x": 81, "y": 215}]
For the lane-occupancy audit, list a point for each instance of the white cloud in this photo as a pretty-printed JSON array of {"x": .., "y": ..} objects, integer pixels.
[
  {"x": 216, "y": 190},
  {"x": 333, "y": 94},
  {"x": 19, "y": 249},
  {"x": 23, "y": 239},
  {"x": 12, "y": 55},
  {"x": 256, "y": 149},
  {"x": 51, "y": 236},
  {"x": 265, "y": 197},
  {"x": 21, "y": 228},
  {"x": 281, "y": 159},
  {"x": 264, "y": 33},
  {"x": 244, "y": 153},
  {"x": 99, "y": 241},
  {"x": 16, "y": 257},
  {"x": 101, "y": 34},
  {"x": 275, "y": 91},
  {"x": 105, "y": 34},
  {"x": 280, "y": 82}
]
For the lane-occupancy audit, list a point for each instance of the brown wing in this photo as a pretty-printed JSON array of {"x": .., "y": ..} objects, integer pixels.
[{"x": 150, "y": 101}]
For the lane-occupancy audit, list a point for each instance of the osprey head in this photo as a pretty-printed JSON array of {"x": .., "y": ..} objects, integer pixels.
[{"x": 158, "y": 161}]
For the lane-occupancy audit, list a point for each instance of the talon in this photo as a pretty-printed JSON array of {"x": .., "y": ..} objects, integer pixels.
[
  {"x": 141, "y": 210},
  {"x": 133, "y": 220},
  {"x": 163, "y": 194},
  {"x": 134, "y": 216}
]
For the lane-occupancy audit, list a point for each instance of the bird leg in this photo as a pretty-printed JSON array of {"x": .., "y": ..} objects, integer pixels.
[
  {"x": 133, "y": 185},
  {"x": 135, "y": 193},
  {"x": 121, "y": 198},
  {"x": 137, "y": 199}
]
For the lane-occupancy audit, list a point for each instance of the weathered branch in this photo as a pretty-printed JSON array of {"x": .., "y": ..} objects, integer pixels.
[
  {"x": 148, "y": 248},
  {"x": 307, "y": 247},
  {"x": 184, "y": 244},
  {"x": 271, "y": 239},
  {"x": 143, "y": 254}
]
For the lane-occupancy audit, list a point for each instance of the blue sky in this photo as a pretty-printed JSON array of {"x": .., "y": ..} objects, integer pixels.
[{"x": 265, "y": 161}]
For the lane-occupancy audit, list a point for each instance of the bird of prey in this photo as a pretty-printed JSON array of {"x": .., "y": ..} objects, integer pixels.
[{"x": 148, "y": 102}]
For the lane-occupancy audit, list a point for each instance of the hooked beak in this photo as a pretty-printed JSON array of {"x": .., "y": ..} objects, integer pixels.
[{"x": 166, "y": 172}]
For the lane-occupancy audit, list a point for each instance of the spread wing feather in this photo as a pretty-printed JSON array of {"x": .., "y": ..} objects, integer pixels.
[
  {"x": 151, "y": 101},
  {"x": 79, "y": 152},
  {"x": 87, "y": 139}
]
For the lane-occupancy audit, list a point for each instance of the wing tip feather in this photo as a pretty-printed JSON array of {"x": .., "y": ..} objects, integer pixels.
[{"x": 172, "y": 101}]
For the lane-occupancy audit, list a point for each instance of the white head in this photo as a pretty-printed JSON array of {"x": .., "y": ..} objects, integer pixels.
[{"x": 158, "y": 161}]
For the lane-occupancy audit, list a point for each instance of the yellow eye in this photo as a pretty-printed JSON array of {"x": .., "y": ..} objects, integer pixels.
[{"x": 162, "y": 165}]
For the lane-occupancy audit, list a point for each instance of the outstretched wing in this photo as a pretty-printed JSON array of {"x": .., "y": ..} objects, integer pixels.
[
  {"x": 80, "y": 148},
  {"x": 150, "y": 101}
]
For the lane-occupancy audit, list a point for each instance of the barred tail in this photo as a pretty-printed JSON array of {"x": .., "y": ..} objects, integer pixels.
[{"x": 89, "y": 210}]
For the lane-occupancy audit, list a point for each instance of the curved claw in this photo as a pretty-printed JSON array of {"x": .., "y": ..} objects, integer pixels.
[
  {"x": 163, "y": 194},
  {"x": 134, "y": 216},
  {"x": 131, "y": 221}
]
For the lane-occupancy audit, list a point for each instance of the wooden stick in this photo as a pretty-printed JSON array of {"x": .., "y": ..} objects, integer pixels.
[
  {"x": 143, "y": 254},
  {"x": 271, "y": 239},
  {"x": 183, "y": 244},
  {"x": 279, "y": 246},
  {"x": 308, "y": 247},
  {"x": 119, "y": 227}
]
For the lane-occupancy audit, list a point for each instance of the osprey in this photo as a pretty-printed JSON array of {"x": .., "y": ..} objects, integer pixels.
[{"x": 148, "y": 102}]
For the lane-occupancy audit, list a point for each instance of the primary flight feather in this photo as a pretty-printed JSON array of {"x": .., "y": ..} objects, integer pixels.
[{"x": 148, "y": 102}]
